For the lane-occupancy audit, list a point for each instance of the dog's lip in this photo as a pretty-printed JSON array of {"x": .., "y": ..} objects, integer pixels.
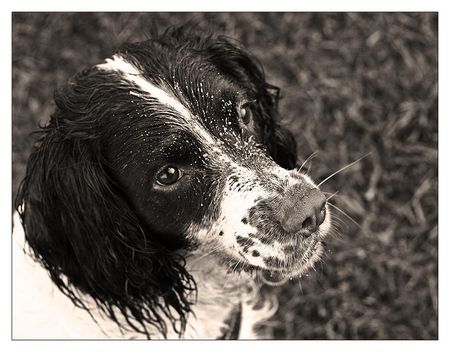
[
  {"x": 312, "y": 244},
  {"x": 279, "y": 276}
]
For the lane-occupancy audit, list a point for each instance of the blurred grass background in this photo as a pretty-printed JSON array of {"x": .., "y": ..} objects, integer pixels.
[{"x": 352, "y": 84}]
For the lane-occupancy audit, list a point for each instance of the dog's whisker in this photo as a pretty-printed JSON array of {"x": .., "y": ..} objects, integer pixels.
[
  {"x": 232, "y": 271},
  {"x": 335, "y": 193},
  {"x": 345, "y": 214},
  {"x": 330, "y": 193},
  {"x": 342, "y": 169},
  {"x": 210, "y": 252},
  {"x": 310, "y": 157},
  {"x": 300, "y": 285}
]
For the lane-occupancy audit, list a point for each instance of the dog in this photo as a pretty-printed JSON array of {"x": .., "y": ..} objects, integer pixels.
[{"x": 160, "y": 195}]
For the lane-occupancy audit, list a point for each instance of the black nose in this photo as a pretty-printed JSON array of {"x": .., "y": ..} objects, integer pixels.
[{"x": 302, "y": 211}]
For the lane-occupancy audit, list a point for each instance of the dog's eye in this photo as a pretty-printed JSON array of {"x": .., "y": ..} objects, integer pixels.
[
  {"x": 245, "y": 113},
  {"x": 168, "y": 176}
]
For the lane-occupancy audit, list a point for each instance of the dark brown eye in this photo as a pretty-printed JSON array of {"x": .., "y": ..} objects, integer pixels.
[
  {"x": 245, "y": 113},
  {"x": 168, "y": 176}
]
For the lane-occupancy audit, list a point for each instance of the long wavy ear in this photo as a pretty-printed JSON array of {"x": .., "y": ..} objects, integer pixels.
[
  {"x": 81, "y": 227},
  {"x": 246, "y": 70}
]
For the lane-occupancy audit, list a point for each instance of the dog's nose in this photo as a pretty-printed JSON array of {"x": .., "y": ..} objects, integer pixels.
[{"x": 302, "y": 212}]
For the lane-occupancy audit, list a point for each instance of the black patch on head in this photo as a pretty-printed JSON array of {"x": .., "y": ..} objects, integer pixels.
[
  {"x": 255, "y": 253},
  {"x": 168, "y": 212},
  {"x": 244, "y": 220},
  {"x": 85, "y": 231},
  {"x": 221, "y": 233}
]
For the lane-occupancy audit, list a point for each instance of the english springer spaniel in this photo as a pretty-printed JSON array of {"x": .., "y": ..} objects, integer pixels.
[{"x": 162, "y": 192}]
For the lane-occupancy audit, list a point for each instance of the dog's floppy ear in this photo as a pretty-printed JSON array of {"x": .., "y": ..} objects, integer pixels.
[
  {"x": 245, "y": 69},
  {"x": 82, "y": 228}
]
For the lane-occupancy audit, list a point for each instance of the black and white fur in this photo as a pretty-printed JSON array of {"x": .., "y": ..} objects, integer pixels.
[{"x": 110, "y": 251}]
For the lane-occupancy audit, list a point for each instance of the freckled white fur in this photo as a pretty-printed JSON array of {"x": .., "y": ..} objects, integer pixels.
[{"x": 235, "y": 205}]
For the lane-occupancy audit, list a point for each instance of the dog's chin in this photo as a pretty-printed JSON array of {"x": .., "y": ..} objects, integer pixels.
[{"x": 276, "y": 276}]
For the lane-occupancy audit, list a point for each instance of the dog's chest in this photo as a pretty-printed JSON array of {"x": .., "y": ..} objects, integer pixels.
[
  {"x": 227, "y": 303},
  {"x": 219, "y": 295},
  {"x": 40, "y": 310}
]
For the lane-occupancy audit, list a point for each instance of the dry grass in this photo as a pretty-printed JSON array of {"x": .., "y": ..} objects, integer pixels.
[{"x": 352, "y": 84}]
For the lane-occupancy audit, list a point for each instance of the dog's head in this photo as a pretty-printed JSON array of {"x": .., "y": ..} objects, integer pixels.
[{"x": 170, "y": 145}]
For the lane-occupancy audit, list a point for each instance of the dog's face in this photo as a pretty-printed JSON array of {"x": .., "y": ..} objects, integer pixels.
[{"x": 188, "y": 140}]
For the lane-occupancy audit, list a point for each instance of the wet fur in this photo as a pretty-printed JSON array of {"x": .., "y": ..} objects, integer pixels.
[{"x": 80, "y": 222}]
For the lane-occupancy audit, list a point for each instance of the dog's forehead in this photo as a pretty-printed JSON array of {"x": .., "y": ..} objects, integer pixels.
[
  {"x": 203, "y": 103},
  {"x": 192, "y": 80}
]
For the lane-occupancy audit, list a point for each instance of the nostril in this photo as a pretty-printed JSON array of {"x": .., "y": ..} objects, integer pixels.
[
  {"x": 308, "y": 226},
  {"x": 322, "y": 214},
  {"x": 307, "y": 223}
]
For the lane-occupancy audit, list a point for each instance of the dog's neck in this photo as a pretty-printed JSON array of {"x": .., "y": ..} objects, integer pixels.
[
  {"x": 219, "y": 293},
  {"x": 211, "y": 275},
  {"x": 224, "y": 296}
]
